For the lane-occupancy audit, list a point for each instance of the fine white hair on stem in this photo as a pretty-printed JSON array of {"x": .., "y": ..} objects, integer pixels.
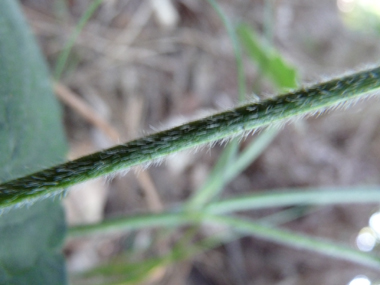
[{"x": 218, "y": 128}]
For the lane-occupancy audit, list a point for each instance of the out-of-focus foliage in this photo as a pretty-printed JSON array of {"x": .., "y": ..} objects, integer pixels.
[{"x": 31, "y": 137}]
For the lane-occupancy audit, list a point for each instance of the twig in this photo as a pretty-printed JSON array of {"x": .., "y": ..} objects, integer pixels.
[{"x": 69, "y": 98}]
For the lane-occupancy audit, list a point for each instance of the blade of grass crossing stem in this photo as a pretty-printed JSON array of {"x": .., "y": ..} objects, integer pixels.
[
  {"x": 295, "y": 240},
  {"x": 251, "y": 153},
  {"x": 291, "y": 197},
  {"x": 275, "y": 219},
  {"x": 186, "y": 250},
  {"x": 217, "y": 179},
  {"x": 63, "y": 57},
  {"x": 284, "y": 77},
  {"x": 141, "y": 271},
  {"x": 217, "y": 240},
  {"x": 228, "y": 155},
  {"x": 261, "y": 54},
  {"x": 302, "y": 197},
  {"x": 214, "y": 181},
  {"x": 313, "y": 196},
  {"x": 167, "y": 220},
  {"x": 210, "y": 187}
]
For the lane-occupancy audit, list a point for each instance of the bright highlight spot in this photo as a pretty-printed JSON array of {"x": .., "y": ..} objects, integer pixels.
[
  {"x": 366, "y": 239},
  {"x": 374, "y": 223},
  {"x": 345, "y": 6},
  {"x": 360, "y": 280}
]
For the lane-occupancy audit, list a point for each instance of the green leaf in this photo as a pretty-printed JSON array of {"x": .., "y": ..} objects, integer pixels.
[
  {"x": 30, "y": 242},
  {"x": 31, "y": 138},
  {"x": 270, "y": 62}
]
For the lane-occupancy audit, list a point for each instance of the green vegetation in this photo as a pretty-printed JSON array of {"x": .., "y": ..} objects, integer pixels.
[{"x": 31, "y": 237}]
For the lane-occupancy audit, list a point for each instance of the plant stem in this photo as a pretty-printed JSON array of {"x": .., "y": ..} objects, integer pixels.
[
  {"x": 215, "y": 182},
  {"x": 216, "y": 127}
]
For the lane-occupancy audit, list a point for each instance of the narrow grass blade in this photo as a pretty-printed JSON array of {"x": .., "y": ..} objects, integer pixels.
[
  {"x": 284, "y": 198},
  {"x": 295, "y": 240},
  {"x": 135, "y": 223},
  {"x": 241, "y": 225},
  {"x": 274, "y": 68},
  {"x": 251, "y": 153},
  {"x": 291, "y": 197},
  {"x": 217, "y": 179}
]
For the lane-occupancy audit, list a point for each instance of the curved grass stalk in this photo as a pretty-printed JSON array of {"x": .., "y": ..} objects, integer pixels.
[
  {"x": 131, "y": 223},
  {"x": 313, "y": 196},
  {"x": 291, "y": 197},
  {"x": 210, "y": 129},
  {"x": 295, "y": 240},
  {"x": 240, "y": 225},
  {"x": 214, "y": 183}
]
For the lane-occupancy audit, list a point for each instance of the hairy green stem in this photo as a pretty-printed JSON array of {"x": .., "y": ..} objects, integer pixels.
[{"x": 216, "y": 127}]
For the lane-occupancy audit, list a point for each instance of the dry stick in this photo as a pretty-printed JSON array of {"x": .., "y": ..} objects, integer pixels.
[
  {"x": 144, "y": 179},
  {"x": 152, "y": 198},
  {"x": 76, "y": 103},
  {"x": 131, "y": 32},
  {"x": 219, "y": 126}
]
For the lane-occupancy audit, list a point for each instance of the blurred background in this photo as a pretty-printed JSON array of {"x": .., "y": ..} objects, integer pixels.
[{"x": 142, "y": 66}]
